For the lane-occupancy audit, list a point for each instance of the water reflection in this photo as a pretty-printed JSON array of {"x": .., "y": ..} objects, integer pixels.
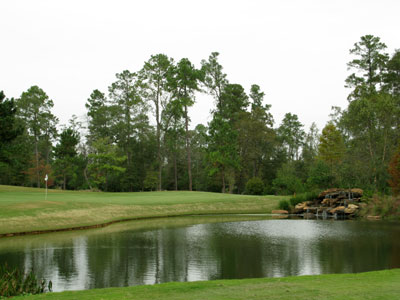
[{"x": 181, "y": 249}]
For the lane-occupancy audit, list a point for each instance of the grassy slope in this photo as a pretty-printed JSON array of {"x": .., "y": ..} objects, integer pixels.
[
  {"x": 25, "y": 209},
  {"x": 371, "y": 285}
]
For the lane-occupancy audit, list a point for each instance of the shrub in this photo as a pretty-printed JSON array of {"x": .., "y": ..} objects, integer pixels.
[
  {"x": 13, "y": 282},
  {"x": 284, "y": 204},
  {"x": 309, "y": 196},
  {"x": 255, "y": 186}
]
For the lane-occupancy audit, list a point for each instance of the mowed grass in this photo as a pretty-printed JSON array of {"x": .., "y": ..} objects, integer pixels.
[
  {"x": 371, "y": 285},
  {"x": 26, "y": 209}
]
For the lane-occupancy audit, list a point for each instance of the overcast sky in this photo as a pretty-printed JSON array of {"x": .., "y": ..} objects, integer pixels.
[{"x": 295, "y": 50}]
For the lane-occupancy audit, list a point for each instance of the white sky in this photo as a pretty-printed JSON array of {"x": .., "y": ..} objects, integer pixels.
[{"x": 295, "y": 50}]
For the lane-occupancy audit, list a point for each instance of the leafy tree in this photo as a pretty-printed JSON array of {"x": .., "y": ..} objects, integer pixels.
[
  {"x": 320, "y": 175},
  {"x": 174, "y": 138},
  {"x": 291, "y": 134},
  {"x": 66, "y": 154},
  {"x": 287, "y": 180},
  {"x": 99, "y": 116},
  {"x": 368, "y": 65},
  {"x": 394, "y": 171},
  {"x": 154, "y": 80},
  {"x": 214, "y": 78},
  {"x": 34, "y": 108},
  {"x": 9, "y": 128},
  {"x": 104, "y": 163},
  {"x": 184, "y": 82},
  {"x": 392, "y": 75},
  {"x": 331, "y": 146},
  {"x": 255, "y": 138},
  {"x": 130, "y": 119}
]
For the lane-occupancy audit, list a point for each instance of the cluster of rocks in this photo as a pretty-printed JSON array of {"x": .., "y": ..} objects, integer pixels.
[{"x": 335, "y": 202}]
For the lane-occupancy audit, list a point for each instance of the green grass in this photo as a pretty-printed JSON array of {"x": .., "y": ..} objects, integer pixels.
[
  {"x": 371, "y": 285},
  {"x": 25, "y": 209}
]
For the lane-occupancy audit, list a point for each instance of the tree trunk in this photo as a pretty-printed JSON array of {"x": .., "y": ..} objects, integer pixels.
[
  {"x": 175, "y": 173},
  {"x": 188, "y": 148},
  {"x": 159, "y": 147},
  {"x": 223, "y": 181},
  {"x": 65, "y": 182},
  {"x": 86, "y": 178},
  {"x": 37, "y": 162}
]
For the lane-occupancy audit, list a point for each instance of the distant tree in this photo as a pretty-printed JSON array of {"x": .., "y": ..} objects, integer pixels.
[
  {"x": 368, "y": 65},
  {"x": 34, "y": 108},
  {"x": 392, "y": 75},
  {"x": 9, "y": 128},
  {"x": 66, "y": 154},
  {"x": 130, "y": 119},
  {"x": 184, "y": 82},
  {"x": 331, "y": 146},
  {"x": 292, "y": 135},
  {"x": 104, "y": 162},
  {"x": 224, "y": 133},
  {"x": 214, "y": 78},
  {"x": 154, "y": 81},
  {"x": 394, "y": 171},
  {"x": 100, "y": 117}
]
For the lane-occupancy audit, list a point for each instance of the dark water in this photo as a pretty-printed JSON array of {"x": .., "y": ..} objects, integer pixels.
[{"x": 181, "y": 249}]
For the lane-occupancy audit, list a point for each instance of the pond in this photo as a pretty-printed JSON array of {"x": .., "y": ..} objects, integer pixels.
[{"x": 203, "y": 248}]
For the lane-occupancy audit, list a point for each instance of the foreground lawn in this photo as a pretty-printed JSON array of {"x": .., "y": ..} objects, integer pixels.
[
  {"x": 25, "y": 209},
  {"x": 371, "y": 285}
]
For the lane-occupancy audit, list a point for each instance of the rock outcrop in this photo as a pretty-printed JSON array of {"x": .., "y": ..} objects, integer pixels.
[{"x": 335, "y": 202}]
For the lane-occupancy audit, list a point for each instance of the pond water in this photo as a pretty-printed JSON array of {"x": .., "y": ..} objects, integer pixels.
[{"x": 203, "y": 248}]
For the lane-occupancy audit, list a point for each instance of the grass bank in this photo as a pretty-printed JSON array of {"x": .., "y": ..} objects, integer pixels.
[
  {"x": 27, "y": 210},
  {"x": 371, "y": 285}
]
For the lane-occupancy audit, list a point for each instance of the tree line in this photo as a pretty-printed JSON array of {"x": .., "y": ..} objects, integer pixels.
[{"x": 239, "y": 151}]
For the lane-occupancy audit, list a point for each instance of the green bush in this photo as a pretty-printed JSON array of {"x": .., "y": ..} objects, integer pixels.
[
  {"x": 13, "y": 282},
  {"x": 284, "y": 204},
  {"x": 309, "y": 196},
  {"x": 286, "y": 181},
  {"x": 255, "y": 186}
]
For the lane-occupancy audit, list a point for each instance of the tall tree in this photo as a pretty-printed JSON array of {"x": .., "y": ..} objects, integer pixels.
[
  {"x": 9, "y": 128},
  {"x": 392, "y": 76},
  {"x": 99, "y": 116},
  {"x": 368, "y": 65},
  {"x": 183, "y": 83},
  {"x": 331, "y": 148},
  {"x": 129, "y": 114},
  {"x": 154, "y": 80},
  {"x": 214, "y": 78},
  {"x": 224, "y": 133},
  {"x": 291, "y": 134},
  {"x": 34, "y": 108},
  {"x": 104, "y": 163},
  {"x": 66, "y": 154}
]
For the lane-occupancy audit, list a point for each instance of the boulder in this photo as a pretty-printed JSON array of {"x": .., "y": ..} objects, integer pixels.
[
  {"x": 299, "y": 208},
  {"x": 337, "y": 209},
  {"x": 350, "y": 210},
  {"x": 357, "y": 193},
  {"x": 280, "y": 211},
  {"x": 352, "y": 206},
  {"x": 323, "y": 194}
]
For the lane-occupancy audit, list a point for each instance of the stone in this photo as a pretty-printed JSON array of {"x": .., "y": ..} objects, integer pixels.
[
  {"x": 350, "y": 211},
  {"x": 352, "y": 206},
  {"x": 280, "y": 211},
  {"x": 357, "y": 193},
  {"x": 337, "y": 209},
  {"x": 373, "y": 217},
  {"x": 299, "y": 208}
]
